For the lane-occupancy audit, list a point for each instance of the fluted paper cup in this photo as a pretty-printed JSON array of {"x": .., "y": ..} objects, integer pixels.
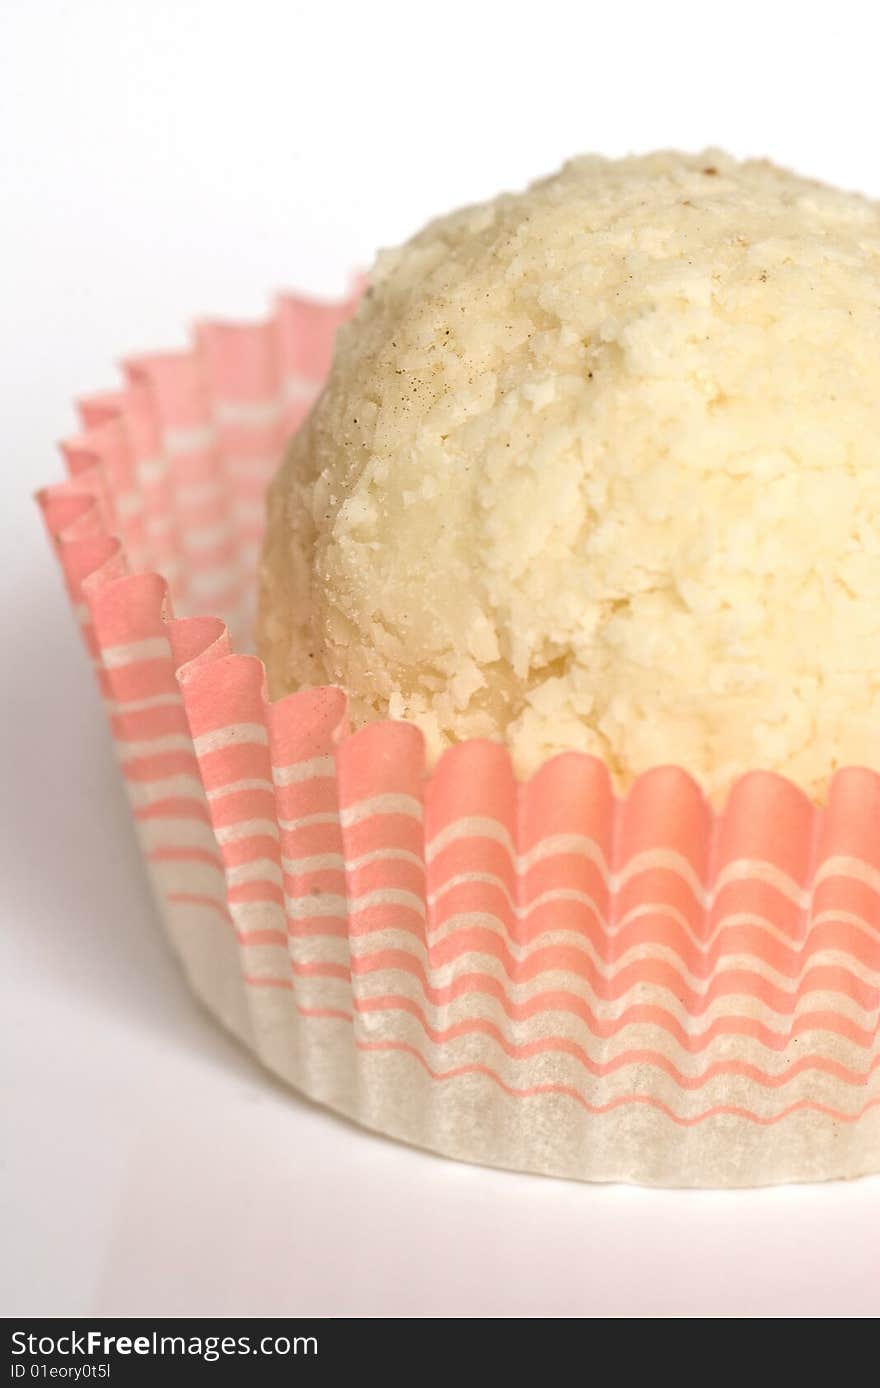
[{"x": 544, "y": 976}]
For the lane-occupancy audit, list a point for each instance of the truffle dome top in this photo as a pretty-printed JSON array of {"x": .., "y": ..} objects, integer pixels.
[{"x": 597, "y": 466}]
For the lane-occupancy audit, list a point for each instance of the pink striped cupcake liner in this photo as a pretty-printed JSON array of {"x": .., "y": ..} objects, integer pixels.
[{"x": 543, "y": 976}]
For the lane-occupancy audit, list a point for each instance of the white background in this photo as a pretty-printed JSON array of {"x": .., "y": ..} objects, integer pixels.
[{"x": 163, "y": 159}]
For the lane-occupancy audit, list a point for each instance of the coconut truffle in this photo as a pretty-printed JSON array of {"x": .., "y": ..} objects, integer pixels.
[{"x": 597, "y": 466}]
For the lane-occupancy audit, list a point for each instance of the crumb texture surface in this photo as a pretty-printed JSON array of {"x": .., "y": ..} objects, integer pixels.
[{"x": 598, "y": 466}]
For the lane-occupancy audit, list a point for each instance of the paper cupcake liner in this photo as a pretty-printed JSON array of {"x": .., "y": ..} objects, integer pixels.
[{"x": 541, "y": 976}]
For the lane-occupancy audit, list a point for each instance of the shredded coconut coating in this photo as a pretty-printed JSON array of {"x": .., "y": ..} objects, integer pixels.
[{"x": 598, "y": 466}]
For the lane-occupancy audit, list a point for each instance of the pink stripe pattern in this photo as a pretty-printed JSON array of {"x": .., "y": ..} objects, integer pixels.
[{"x": 546, "y": 975}]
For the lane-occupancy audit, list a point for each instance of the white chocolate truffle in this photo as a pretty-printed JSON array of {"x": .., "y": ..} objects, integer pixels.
[{"x": 598, "y": 467}]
